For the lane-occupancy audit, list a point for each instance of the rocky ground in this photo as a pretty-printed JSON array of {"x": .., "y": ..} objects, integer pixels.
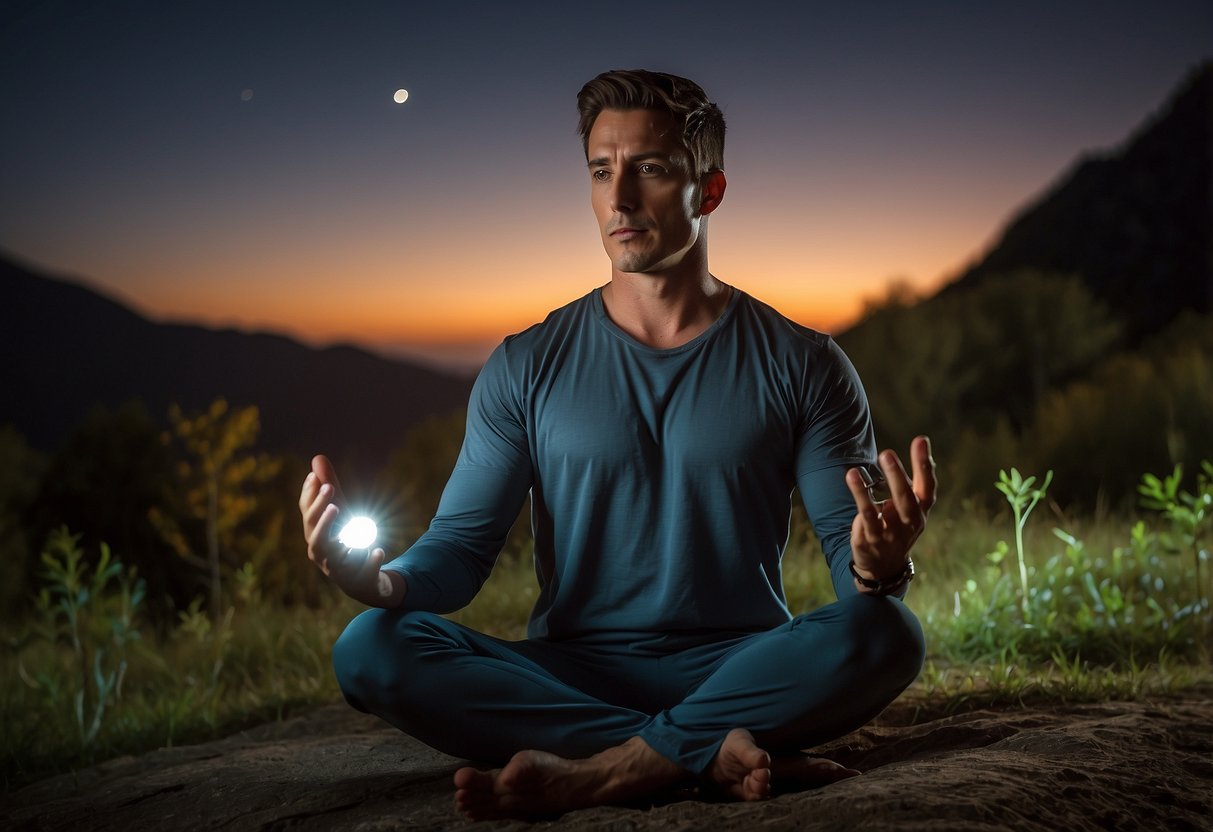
[{"x": 1107, "y": 766}]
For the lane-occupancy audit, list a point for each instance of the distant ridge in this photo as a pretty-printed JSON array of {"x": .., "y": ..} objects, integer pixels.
[
  {"x": 1136, "y": 223},
  {"x": 66, "y": 348}
]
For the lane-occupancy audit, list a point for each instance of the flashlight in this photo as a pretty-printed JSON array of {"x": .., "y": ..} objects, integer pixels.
[{"x": 358, "y": 532}]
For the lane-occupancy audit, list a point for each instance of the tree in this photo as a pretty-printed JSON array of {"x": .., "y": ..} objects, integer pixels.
[
  {"x": 972, "y": 357},
  {"x": 217, "y": 477},
  {"x": 102, "y": 482},
  {"x": 20, "y": 469}
]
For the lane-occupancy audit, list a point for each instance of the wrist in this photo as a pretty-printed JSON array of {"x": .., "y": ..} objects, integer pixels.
[{"x": 868, "y": 583}]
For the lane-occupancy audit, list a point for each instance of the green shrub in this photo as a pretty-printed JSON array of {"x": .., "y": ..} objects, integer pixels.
[{"x": 1131, "y": 605}]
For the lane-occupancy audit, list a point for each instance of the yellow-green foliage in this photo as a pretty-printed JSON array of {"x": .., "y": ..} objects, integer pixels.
[{"x": 217, "y": 477}]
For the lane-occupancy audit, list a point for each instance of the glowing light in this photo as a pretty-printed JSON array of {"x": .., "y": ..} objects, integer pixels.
[
  {"x": 247, "y": 95},
  {"x": 359, "y": 533},
  {"x": 401, "y": 96}
]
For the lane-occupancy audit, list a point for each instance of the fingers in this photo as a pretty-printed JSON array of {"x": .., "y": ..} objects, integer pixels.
[
  {"x": 906, "y": 509},
  {"x": 326, "y": 473},
  {"x": 321, "y": 549},
  {"x": 320, "y": 491},
  {"x": 324, "y": 520},
  {"x": 307, "y": 495},
  {"x": 868, "y": 518},
  {"x": 322, "y": 474},
  {"x": 882, "y": 534},
  {"x": 322, "y": 498},
  {"x": 923, "y": 464}
]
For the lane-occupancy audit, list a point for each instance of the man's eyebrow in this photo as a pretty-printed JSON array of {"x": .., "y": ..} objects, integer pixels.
[{"x": 602, "y": 161}]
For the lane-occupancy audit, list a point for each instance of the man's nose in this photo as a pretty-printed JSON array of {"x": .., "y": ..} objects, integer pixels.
[{"x": 623, "y": 194}]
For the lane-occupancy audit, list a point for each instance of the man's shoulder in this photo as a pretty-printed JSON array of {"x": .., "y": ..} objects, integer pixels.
[
  {"x": 779, "y": 327},
  {"x": 537, "y": 343},
  {"x": 554, "y": 325}
]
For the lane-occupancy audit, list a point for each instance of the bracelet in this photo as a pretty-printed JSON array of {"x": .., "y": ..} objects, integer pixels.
[{"x": 887, "y": 586}]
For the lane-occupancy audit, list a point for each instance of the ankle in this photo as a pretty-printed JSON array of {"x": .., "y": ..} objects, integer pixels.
[{"x": 635, "y": 767}]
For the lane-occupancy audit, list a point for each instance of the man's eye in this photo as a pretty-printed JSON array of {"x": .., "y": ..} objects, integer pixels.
[
  {"x": 649, "y": 169},
  {"x": 601, "y": 175}
]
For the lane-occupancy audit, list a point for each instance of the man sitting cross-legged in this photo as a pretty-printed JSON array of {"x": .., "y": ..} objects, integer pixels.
[{"x": 659, "y": 425}]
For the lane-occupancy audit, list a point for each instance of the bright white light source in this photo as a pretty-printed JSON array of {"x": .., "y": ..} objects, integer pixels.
[
  {"x": 401, "y": 96},
  {"x": 359, "y": 533}
]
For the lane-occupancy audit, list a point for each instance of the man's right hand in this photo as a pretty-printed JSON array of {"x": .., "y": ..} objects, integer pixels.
[{"x": 355, "y": 573}]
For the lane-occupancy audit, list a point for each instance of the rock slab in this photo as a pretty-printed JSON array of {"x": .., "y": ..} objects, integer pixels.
[{"x": 1133, "y": 765}]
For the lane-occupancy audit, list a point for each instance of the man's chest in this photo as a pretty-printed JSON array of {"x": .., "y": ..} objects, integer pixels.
[{"x": 691, "y": 417}]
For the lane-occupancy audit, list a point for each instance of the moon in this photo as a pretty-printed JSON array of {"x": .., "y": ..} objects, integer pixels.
[{"x": 401, "y": 96}]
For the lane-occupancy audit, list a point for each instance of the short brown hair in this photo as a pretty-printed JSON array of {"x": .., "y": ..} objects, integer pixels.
[{"x": 641, "y": 89}]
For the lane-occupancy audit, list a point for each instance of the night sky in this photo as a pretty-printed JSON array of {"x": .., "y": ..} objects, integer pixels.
[{"x": 245, "y": 163}]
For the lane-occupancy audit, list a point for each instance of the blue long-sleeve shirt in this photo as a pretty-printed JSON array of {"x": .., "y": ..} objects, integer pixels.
[{"x": 660, "y": 478}]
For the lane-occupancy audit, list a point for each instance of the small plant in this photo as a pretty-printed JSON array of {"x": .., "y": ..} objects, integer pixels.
[
  {"x": 1190, "y": 514},
  {"x": 97, "y": 620},
  {"x": 1023, "y": 498},
  {"x": 1115, "y": 605}
]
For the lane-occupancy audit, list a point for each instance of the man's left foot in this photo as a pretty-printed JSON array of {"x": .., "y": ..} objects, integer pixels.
[{"x": 535, "y": 783}]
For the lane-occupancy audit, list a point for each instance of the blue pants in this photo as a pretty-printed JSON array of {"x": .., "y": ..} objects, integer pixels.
[{"x": 473, "y": 696}]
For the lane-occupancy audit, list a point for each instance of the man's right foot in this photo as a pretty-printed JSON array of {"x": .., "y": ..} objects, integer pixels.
[
  {"x": 744, "y": 771},
  {"x": 740, "y": 768}
]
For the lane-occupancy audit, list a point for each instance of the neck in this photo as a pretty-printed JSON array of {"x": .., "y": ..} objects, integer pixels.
[{"x": 665, "y": 310}]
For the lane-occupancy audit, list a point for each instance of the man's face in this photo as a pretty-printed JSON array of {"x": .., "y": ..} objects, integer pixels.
[{"x": 642, "y": 190}]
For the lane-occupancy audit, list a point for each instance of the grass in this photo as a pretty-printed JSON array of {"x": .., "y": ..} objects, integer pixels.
[
  {"x": 264, "y": 661},
  {"x": 195, "y": 684}
]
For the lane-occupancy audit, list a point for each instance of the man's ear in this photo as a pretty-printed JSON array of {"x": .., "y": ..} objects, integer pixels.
[{"x": 711, "y": 191}]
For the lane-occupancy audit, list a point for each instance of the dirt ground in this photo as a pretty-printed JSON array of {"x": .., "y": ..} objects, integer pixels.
[{"x": 1074, "y": 767}]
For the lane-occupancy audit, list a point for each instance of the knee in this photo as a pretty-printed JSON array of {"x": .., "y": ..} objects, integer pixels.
[
  {"x": 887, "y": 637},
  {"x": 353, "y": 652},
  {"x": 372, "y": 654}
]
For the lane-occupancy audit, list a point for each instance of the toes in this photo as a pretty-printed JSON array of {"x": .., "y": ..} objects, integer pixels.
[
  {"x": 740, "y": 745},
  {"x": 474, "y": 780},
  {"x": 757, "y": 785},
  {"x": 477, "y": 805}
]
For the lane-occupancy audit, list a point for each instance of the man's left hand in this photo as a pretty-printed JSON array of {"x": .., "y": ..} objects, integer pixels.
[{"x": 883, "y": 532}]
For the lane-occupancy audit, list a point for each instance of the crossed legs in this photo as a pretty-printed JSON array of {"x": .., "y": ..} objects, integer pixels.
[{"x": 585, "y": 723}]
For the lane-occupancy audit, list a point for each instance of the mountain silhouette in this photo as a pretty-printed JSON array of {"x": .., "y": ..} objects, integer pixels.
[
  {"x": 67, "y": 348},
  {"x": 1136, "y": 223}
]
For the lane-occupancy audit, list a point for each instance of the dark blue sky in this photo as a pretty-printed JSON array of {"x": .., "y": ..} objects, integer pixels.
[{"x": 245, "y": 163}]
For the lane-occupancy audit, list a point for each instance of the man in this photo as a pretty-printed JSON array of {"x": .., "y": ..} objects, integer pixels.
[{"x": 659, "y": 424}]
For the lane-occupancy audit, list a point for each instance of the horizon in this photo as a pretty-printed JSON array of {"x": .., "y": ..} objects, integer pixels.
[{"x": 251, "y": 170}]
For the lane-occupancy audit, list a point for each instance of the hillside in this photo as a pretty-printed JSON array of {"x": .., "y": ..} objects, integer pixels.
[
  {"x": 1084, "y": 329},
  {"x": 66, "y": 348},
  {"x": 1135, "y": 223}
]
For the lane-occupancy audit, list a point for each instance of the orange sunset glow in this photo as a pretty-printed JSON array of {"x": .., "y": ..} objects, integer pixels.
[{"x": 269, "y": 190}]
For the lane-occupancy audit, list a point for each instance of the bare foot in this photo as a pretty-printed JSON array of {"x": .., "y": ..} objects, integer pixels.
[
  {"x": 536, "y": 783},
  {"x": 744, "y": 771},
  {"x": 741, "y": 769}
]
